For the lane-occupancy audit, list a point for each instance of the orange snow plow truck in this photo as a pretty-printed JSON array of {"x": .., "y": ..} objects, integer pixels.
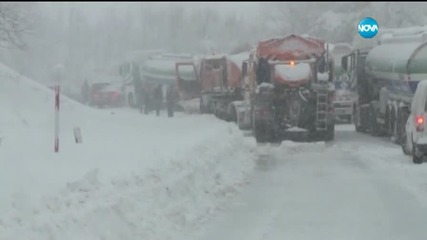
[
  {"x": 289, "y": 88},
  {"x": 219, "y": 84}
]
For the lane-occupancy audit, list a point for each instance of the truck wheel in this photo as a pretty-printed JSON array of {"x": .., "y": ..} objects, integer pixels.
[
  {"x": 202, "y": 108},
  {"x": 394, "y": 127},
  {"x": 330, "y": 133},
  {"x": 211, "y": 107},
  {"x": 215, "y": 110},
  {"x": 373, "y": 126},
  {"x": 231, "y": 113},
  {"x": 260, "y": 133},
  {"x": 358, "y": 128},
  {"x": 415, "y": 158}
]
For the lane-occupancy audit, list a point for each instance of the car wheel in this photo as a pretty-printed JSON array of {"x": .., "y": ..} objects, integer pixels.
[
  {"x": 404, "y": 144},
  {"x": 415, "y": 158}
]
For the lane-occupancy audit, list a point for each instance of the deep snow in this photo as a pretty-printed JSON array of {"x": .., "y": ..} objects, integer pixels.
[
  {"x": 133, "y": 177},
  {"x": 147, "y": 177}
]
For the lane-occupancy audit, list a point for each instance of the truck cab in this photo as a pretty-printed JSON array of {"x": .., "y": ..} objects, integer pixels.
[{"x": 354, "y": 72}]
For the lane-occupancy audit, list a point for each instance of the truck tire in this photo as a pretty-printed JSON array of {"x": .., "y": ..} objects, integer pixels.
[
  {"x": 202, "y": 108},
  {"x": 373, "y": 126},
  {"x": 356, "y": 116},
  {"x": 260, "y": 133},
  {"x": 211, "y": 107},
  {"x": 394, "y": 126},
  {"x": 232, "y": 114},
  {"x": 330, "y": 133}
]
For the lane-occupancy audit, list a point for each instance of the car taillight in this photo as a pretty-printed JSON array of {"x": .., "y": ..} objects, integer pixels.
[{"x": 419, "y": 122}]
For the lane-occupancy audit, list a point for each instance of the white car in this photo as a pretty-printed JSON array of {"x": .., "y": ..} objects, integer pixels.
[{"x": 416, "y": 128}]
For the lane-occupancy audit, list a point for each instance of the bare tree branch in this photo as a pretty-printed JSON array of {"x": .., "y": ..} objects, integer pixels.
[{"x": 15, "y": 22}]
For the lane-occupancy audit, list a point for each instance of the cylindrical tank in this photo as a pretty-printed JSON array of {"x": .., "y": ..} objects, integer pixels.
[
  {"x": 161, "y": 70},
  {"x": 398, "y": 62}
]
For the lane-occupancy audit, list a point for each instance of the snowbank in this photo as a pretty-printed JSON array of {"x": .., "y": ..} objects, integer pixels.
[
  {"x": 133, "y": 175},
  {"x": 191, "y": 106}
]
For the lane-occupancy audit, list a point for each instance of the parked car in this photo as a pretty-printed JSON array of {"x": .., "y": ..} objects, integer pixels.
[
  {"x": 106, "y": 94},
  {"x": 415, "y": 135}
]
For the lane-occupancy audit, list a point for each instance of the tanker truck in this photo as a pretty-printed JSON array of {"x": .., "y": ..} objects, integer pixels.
[
  {"x": 129, "y": 70},
  {"x": 154, "y": 69},
  {"x": 289, "y": 87},
  {"x": 386, "y": 77}
]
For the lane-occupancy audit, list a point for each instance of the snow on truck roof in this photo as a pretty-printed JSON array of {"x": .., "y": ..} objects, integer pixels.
[
  {"x": 292, "y": 46},
  {"x": 165, "y": 68}
]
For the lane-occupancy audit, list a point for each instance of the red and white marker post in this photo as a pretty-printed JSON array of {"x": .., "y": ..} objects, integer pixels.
[{"x": 57, "y": 118}]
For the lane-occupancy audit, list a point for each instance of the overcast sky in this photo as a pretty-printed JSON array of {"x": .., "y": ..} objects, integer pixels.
[{"x": 95, "y": 8}]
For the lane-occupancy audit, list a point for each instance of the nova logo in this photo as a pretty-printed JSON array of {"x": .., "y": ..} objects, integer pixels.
[{"x": 368, "y": 27}]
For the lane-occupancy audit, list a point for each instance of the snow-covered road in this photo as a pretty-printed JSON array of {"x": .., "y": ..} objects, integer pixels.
[
  {"x": 192, "y": 178},
  {"x": 311, "y": 191}
]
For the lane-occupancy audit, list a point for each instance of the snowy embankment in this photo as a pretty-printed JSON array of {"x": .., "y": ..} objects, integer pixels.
[{"x": 133, "y": 177}]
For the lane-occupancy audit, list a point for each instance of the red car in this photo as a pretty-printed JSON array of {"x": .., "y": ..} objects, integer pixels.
[{"x": 106, "y": 94}]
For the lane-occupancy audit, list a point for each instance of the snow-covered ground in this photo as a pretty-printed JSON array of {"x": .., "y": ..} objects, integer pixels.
[
  {"x": 147, "y": 177},
  {"x": 360, "y": 187},
  {"x": 133, "y": 177}
]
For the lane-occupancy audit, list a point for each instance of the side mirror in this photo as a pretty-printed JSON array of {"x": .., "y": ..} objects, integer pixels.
[{"x": 344, "y": 63}]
